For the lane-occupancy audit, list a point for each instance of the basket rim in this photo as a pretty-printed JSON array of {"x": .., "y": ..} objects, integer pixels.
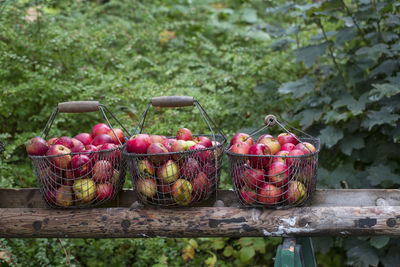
[
  {"x": 119, "y": 147},
  {"x": 220, "y": 145},
  {"x": 317, "y": 150}
]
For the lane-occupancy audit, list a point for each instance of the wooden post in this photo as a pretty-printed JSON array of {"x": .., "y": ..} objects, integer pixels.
[{"x": 377, "y": 213}]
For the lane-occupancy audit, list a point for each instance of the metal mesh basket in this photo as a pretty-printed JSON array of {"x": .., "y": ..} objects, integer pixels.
[
  {"x": 177, "y": 178},
  {"x": 98, "y": 176},
  {"x": 276, "y": 181}
]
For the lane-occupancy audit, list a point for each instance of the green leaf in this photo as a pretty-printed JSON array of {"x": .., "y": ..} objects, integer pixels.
[
  {"x": 351, "y": 142},
  {"x": 341, "y": 173},
  {"x": 378, "y": 174},
  {"x": 280, "y": 9},
  {"x": 249, "y": 15},
  {"x": 246, "y": 253},
  {"x": 218, "y": 244},
  {"x": 362, "y": 255},
  {"x": 379, "y": 241},
  {"x": 345, "y": 34},
  {"x": 322, "y": 244},
  {"x": 245, "y": 241},
  {"x": 259, "y": 244},
  {"x": 383, "y": 116},
  {"x": 211, "y": 261},
  {"x": 193, "y": 243},
  {"x": 308, "y": 116},
  {"x": 386, "y": 67},
  {"x": 310, "y": 54},
  {"x": 228, "y": 251},
  {"x": 281, "y": 44},
  {"x": 383, "y": 90},
  {"x": 330, "y": 136},
  {"x": 374, "y": 52},
  {"x": 356, "y": 107},
  {"x": 298, "y": 88}
]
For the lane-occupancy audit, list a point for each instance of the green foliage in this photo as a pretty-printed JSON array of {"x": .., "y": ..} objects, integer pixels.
[{"x": 349, "y": 97}]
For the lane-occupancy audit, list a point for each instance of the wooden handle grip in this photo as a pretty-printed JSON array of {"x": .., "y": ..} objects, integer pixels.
[
  {"x": 172, "y": 101},
  {"x": 78, "y": 106}
]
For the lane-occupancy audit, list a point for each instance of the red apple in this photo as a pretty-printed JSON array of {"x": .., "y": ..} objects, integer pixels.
[
  {"x": 111, "y": 154},
  {"x": 190, "y": 168},
  {"x": 157, "y": 148},
  {"x": 288, "y": 147},
  {"x": 263, "y": 138},
  {"x": 199, "y": 185},
  {"x": 269, "y": 194},
  {"x": 295, "y": 193},
  {"x": 240, "y": 137},
  {"x": 237, "y": 174},
  {"x": 138, "y": 144},
  {"x": 102, "y": 171},
  {"x": 253, "y": 178},
  {"x": 201, "y": 156},
  {"x": 85, "y": 138},
  {"x": 273, "y": 144},
  {"x": 294, "y": 157},
  {"x": 69, "y": 178},
  {"x": 120, "y": 136},
  {"x": 282, "y": 156},
  {"x": 278, "y": 173},
  {"x": 77, "y": 149},
  {"x": 168, "y": 144},
  {"x": 100, "y": 128},
  {"x": 240, "y": 148},
  {"x": 177, "y": 146},
  {"x": 37, "y": 147},
  {"x": 60, "y": 156},
  {"x": 52, "y": 141},
  {"x": 89, "y": 151},
  {"x": 203, "y": 140},
  {"x": 81, "y": 165},
  {"x": 163, "y": 188},
  {"x": 104, "y": 191},
  {"x": 102, "y": 139},
  {"x": 306, "y": 147},
  {"x": 49, "y": 196},
  {"x": 248, "y": 195},
  {"x": 284, "y": 138},
  {"x": 145, "y": 168},
  {"x": 256, "y": 151},
  {"x": 156, "y": 138},
  {"x": 146, "y": 187},
  {"x": 184, "y": 134},
  {"x": 64, "y": 196},
  {"x": 65, "y": 141}
]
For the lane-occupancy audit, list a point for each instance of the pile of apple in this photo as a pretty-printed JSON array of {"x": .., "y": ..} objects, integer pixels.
[
  {"x": 273, "y": 171},
  {"x": 163, "y": 177},
  {"x": 79, "y": 170}
]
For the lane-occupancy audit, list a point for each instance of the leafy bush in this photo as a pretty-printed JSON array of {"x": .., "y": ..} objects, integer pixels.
[{"x": 349, "y": 97}]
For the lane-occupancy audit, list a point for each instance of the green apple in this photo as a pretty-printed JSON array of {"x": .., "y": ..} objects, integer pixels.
[
  {"x": 188, "y": 144},
  {"x": 85, "y": 190},
  {"x": 182, "y": 192},
  {"x": 168, "y": 172}
]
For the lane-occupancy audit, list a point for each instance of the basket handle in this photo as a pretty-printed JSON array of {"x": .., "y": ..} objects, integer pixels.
[
  {"x": 172, "y": 101},
  {"x": 78, "y": 106}
]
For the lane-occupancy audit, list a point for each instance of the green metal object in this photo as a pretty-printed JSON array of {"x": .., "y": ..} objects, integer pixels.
[{"x": 295, "y": 253}]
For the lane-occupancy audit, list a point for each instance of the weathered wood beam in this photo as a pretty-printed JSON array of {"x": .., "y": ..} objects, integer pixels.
[
  {"x": 31, "y": 198},
  {"x": 199, "y": 222}
]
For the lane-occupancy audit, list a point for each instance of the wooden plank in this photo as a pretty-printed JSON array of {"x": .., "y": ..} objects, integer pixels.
[
  {"x": 199, "y": 222},
  {"x": 31, "y": 198}
]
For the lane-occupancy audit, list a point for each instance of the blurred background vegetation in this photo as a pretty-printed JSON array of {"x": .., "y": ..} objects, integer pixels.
[{"x": 329, "y": 67}]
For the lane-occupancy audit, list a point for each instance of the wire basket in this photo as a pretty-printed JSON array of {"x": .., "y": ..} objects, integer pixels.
[
  {"x": 80, "y": 179},
  {"x": 177, "y": 178},
  {"x": 277, "y": 180}
]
